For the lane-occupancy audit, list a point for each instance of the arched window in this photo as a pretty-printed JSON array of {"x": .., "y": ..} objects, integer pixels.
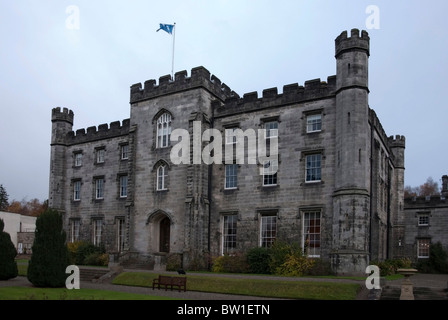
[
  {"x": 161, "y": 177},
  {"x": 163, "y": 130}
]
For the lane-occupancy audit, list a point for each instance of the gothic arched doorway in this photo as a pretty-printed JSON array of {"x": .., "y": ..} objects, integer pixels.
[{"x": 164, "y": 235}]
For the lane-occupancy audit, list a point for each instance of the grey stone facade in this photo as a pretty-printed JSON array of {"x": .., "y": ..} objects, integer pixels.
[
  {"x": 425, "y": 223},
  {"x": 338, "y": 189}
]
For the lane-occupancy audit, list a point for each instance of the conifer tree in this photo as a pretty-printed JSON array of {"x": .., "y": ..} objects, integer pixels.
[
  {"x": 8, "y": 264},
  {"x": 3, "y": 198},
  {"x": 49, "y": 260}
]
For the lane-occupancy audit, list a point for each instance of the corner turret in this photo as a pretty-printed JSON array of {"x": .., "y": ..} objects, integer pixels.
[
  {"x": 62, "y": 124},
  {"x": 445, "y": 186},
  {"x": 351, "y": 198},
  {"x": 352, "y": 59},
  {"x": 397, "y": 145}
]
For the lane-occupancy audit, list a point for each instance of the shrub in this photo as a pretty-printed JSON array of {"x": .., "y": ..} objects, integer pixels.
[
  {"x": 86, "y": 253},
  {"x": 295, "y": 265},
  {"x": 173, "y": 262},
  {"x": 258, "y": 260},
  {"x": 49, "y": 260},
  {"x": 390, "y": 266},
  {"x": 280, "y": 252},
  {"x": 437, "y": 262},
  {"x": 97, "y": 259},
  {"x": 8, "y": 264},
  {"x": 231, "y": 263},
  {"x": 281, "y": 258}
]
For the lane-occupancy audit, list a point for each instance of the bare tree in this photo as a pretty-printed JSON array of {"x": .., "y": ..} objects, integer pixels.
[{"x": 429, "y": 188}]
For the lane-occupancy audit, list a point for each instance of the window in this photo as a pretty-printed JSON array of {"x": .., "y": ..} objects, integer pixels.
[
  {"x": 271, "y": 128},
  {"x": 74, "y": 230},
  {"x": 229, "y": 233},
  {"x": 123, "y": 186},
  {"x": 231, "y": 181},
  {"x": 77, "y": 190},
  {"x": 120, "y": 234},
  {"x": 100, "y": 155},
  {"x": 99, "y": 188},
  {"x": 163, "y": 130},
  {"x": 97, "y": 228},
  {"x": 124, "y": 151},
  {"x": 423, "y": 220},
  {"x": 423, "y": 248},
  {"x": 311, "y": 233},
  {"x": 78, "y": 159},
  {"x": 230, "y": 135},
  {"x": 313, "y": 167},
  {"x": 268, "y": 230},
  {"x": 161, "y": 177},
  {"x": 270, "y": 168},
  {"x": 314, "y": 123}
]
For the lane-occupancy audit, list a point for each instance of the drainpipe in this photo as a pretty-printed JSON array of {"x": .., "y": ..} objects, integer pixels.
[
  {"x": 372, "y": 143},
  {"x": 388, "y": 214},
  {"x": 209, "y": 188}
]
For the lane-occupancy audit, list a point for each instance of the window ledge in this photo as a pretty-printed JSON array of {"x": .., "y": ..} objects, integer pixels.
[
  {"x": 269, "y": 187},
  {"x": 312, "y": 183},
  {"x": 230, "y": 190}
]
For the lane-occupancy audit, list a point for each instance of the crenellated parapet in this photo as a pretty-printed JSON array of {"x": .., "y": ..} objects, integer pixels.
[
  {"x": 58, "y": 114},
  {"x": 397, "y": 141},
  {"x": 292, "y": 93},
  {"x": 200, "y": 78},
  {"x": 104, "y": 131},
  {"x": 375, "y": 122},
  {"x": 356, "y": 41}
]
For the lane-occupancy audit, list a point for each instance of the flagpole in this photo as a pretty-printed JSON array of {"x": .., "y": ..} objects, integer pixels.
[{"x": 172, "y": 62}]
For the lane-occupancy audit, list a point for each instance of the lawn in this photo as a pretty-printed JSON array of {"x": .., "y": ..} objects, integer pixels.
[
  {"x": 24, "y": 293},
  {"x": 310, "y": 290}
]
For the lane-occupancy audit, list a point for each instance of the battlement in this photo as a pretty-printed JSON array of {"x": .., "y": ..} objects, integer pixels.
[
  {"x": 64, "y": 115},
  {"x": 354, "y": 42},
  {"x": 200, "y": 78},
  {"x": 397, "y": 141},
  {"x": 423, "y": 202},
  {"x": 104, "y": 131},
  {"x": 292, "y": 93}
]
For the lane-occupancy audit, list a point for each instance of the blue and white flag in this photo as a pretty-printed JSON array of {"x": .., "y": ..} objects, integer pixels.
[{"x": 166, "y": 27}]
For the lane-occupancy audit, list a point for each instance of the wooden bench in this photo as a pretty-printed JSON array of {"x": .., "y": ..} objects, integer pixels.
[{"x": 170, "y": 282}]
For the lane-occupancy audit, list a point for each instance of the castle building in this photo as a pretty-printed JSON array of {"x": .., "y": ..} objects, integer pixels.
[
  {"x": 426, "y": 223},
  {"x": 335, "y": 185}
]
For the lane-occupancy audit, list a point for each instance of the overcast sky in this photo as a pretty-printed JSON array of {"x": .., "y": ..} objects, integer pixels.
[{"x": 50, "y": 58}]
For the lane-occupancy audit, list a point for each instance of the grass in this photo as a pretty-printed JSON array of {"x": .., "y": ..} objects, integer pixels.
[
  {"x": 253, "y": 287},
  {"x": 212, "y": 283},
  {"x": 26, "y": 293}
]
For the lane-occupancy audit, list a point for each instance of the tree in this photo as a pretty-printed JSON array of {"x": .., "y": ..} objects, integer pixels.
[
  {"x": 49, "y": 260},
  {"x": 429, "y": 188},
  {"x": 3, "y": 199},
  {"x": 8, "y": 264},
  {"x": 32, "y": 207}
]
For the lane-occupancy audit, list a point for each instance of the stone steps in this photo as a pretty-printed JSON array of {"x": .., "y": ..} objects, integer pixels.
[{"x": 91, "y": 273}]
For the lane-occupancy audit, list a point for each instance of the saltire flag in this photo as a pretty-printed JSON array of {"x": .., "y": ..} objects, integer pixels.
[{"x": 166, "y": 27}]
